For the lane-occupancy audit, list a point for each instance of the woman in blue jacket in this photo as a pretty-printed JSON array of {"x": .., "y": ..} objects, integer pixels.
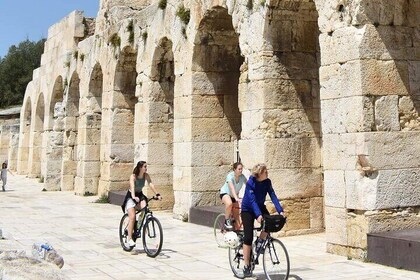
[{"x": 253, "y": 207}]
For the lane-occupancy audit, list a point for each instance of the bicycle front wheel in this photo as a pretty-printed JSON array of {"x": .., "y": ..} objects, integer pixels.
[
  {"x": 123, "y": 233},
  {"x": 219, "y": 230},
  {"x": 236, "y": 261},
  {"x": 276, "y": 261},
  {"x": 152, "y": 237}
]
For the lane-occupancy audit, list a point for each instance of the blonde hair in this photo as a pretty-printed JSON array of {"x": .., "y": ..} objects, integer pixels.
[{"x": 258, "y": 169}]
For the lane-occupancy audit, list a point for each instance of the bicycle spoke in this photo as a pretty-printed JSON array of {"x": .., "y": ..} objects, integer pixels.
[
  {"x": 152, "y": 237},
  {"x": 219, "y": 230},
  {"x": 276, "y": 260}
]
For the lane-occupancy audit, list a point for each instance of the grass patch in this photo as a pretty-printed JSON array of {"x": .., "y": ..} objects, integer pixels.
[
  {"x": 76, "y": 55},
  {"x": 130, "y": 29},
  {"x": 115, "y": 40},
  {"x": 82, "y": 57},
  {"x": 103, "y": 199},
  {"x": 183, "y": 14},
  {"x": 88, "y": 194},
  {"x": 41, "y": 179},
  {"x": 162, "y": 4}
]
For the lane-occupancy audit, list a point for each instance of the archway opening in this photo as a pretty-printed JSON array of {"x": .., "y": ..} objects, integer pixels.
[{"x": 216, "y": 119}]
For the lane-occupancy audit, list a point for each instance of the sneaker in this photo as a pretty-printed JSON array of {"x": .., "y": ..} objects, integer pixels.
[
  {"x": 247, "y": 271},
  {"x": 131, "y": 243},
  {"x": 228, "y": 224}
]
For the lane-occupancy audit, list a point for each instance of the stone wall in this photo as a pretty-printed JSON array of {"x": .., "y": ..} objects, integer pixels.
[{"x": 325, "y": 92}]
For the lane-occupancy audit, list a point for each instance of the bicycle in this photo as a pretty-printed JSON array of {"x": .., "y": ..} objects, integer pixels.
[
  {"x": 147, "y": 227},
  {"x": 219, "y": 227},
  {"x": 275, "y": 260}
]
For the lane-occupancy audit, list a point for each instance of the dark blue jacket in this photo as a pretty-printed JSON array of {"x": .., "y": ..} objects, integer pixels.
[{"x": 254, "y": 197}]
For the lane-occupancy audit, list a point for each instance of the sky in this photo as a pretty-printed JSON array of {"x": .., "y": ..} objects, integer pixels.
[{"x": 30, "y": 19}]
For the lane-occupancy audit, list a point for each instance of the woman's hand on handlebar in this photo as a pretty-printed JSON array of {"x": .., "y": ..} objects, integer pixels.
[
  {"x": 158, "y": 196},
  {"x": 260, "y": 219},
  {"x": 136, "y": 199}
]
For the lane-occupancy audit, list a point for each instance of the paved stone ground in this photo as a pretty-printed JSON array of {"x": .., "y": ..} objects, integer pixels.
[{"x": 86, "y": 235}]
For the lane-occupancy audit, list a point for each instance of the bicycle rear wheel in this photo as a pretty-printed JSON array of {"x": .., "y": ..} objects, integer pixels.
[
  {"x": 236, "y": 261},
  {"x": 123, "y": 233},
  {"x": 276, "y": 261},
  {"x": 152, "y": 237},
  {"x": 219, "y": 230}
]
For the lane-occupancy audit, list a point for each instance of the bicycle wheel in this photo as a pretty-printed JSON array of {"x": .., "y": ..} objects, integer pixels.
[
  {"x": 219, "y": 230},
  {"x": 276, "y": 261},
  {"x": 152, "y": 237},
  {"x": 124, "y": 233},
  {"x": 236, "y": 261}
]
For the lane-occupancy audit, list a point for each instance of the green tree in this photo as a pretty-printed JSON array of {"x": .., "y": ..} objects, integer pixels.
[{"x": 16, "y": 70}]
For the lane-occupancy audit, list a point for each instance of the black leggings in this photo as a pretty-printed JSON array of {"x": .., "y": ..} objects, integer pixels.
[{"x": 248, "y": 224}]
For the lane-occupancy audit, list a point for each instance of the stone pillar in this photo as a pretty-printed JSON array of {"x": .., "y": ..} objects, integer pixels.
[
  {"x": 279, "y": 102},
  {"x": 69, "y": 162},
  {"x": 88, "y": 154},
  {"x": 369, "y": 75},
  {"x": 13, "y": 146}
]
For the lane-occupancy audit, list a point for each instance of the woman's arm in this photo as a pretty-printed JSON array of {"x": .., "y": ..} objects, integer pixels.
[
  {"x": 274, "y": 199},
  {"x": 232, "y": 190},
  {"x": 149, "y": 182},
  {"x": 132, "y": 188}
]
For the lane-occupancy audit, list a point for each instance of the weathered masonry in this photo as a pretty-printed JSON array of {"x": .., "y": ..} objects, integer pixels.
[{"x": 326, "y": 92}]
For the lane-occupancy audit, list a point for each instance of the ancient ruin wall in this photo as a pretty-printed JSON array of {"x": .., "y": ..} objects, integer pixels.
[{"x": 324, "y": 92}]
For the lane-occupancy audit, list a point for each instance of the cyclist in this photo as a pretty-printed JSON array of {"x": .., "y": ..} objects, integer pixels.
[
  {"x": 135, "y": 195},
  {"x": 253, "y": 207},
  {"x": 229, "y": 193}
]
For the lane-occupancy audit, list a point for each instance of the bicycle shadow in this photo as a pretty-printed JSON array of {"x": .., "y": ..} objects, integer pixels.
[
  {"x": 164, "y": 253},
  {"x": 261, "y": 276}
]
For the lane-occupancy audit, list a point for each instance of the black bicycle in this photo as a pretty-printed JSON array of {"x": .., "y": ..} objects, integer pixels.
[
  {"x": 147, "y": 227},
  {"x": 275, "y": 258}
]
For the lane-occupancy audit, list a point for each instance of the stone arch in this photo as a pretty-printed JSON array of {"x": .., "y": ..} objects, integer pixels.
[
  {"x": 36, "y": 140},
  {"x": 288, "y": 116},
  {"x": 71, "y": 120},
  {"x": 89, "y": 136},
  {"x": 159, "y": 146},
  {"x": 25, "y": 135},
  {"x": 53, "y": 134},
  {"x": 120, "y": 117},
  {"x": 215, "y": 119}
]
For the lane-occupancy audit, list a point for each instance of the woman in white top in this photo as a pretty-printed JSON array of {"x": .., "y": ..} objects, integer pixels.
[{"x": 229, "y": 194}]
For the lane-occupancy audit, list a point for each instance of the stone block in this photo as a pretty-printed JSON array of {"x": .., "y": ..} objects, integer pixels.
[
  {"x": 122, "y": 134},
  {"x": 392, "y": 150},
  {"x": 88, "y": 152},
  {"x": 398, "y": 188},
  {"x": 304, "y": 36},
  {"x": 316, "y": 209},
  {"x": 88, "y": 168},
  {"x": 182, "y": 178},
  {"x": 159, "y": 112},
  {"x": 298, "y": 214},
  {"x": 208, "y": 178},
  {"x": 112, "y": 171},
  {"x": 269, "y": 65},
  {"x": 211, "y": 153},
  {"x": 118, "y": 152},
  {"x": 183, "y": 106},
  {"x": 340, "y": 80},
  {"x": 182, "y": 204},
  {"x": 334, "y": 188},
  {"x": 89, "y": 136},
  {"x": 336, "y": 225},
  {"x": 355, "y": 114},
  {"x": 69, "y": 167},
  {"x": 52, "y": 182},
  {"x": 252, "y": 152},
  {"x": 340, "y": 150},
  {"x": 361, "y": 191},
  {"x": 86, "y": 185},
  {"x": 283, "y": 152},
  {"x": 123, "y": 117},
  {"x": 296, "y": 183},
  {"x": 182, "y": 130},
  {"x": 212, "y": 129},
  {"x": 384, "y": 77},
  {"x": 67, "y": 183},
  {"x": 159, "y": 153},
  {"x": 386, "y": 113},
  {"x": 203, "y": 106},
  {"x": 182, "y": 154},
  {"x": 161, "y": 175}
]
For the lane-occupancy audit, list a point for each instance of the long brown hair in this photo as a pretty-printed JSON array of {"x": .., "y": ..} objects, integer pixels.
[{"x": 139, "y": 165}]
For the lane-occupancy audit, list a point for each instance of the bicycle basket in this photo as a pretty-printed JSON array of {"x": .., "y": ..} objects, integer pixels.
[{"x": 274, "y": 223}]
